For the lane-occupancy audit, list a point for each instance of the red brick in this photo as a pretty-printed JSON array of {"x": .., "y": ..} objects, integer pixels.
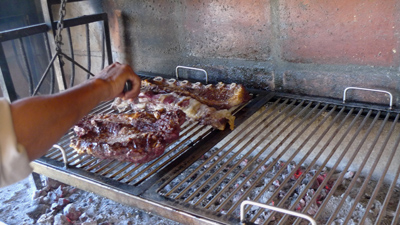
[
  {"x": 228, "y": 29},
  {"x": 340, "y": 32}
]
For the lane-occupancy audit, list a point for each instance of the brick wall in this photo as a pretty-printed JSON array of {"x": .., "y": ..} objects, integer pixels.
[{"x": 304, "y": 47}]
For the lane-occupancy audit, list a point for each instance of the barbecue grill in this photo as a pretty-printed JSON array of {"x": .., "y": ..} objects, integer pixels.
[
  {"x": 334, "y": 161},
  {"x": 291, "y": 159}
]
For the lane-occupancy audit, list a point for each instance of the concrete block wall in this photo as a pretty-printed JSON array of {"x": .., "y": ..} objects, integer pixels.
[{"x": 298, "y": 46}]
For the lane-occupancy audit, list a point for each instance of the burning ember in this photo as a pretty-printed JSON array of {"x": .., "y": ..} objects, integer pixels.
[{"x": 222, "y": 185}]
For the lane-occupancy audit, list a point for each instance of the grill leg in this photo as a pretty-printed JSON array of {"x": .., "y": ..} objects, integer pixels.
[{"x": 37, "y": 180}]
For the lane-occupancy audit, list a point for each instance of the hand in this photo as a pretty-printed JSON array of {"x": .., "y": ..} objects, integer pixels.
[{"x": 116, "y": 75}]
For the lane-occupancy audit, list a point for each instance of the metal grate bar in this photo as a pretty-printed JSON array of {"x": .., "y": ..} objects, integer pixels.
[
  {"x": 109, "y": 169},
  {"x": 99, "y": 167}
]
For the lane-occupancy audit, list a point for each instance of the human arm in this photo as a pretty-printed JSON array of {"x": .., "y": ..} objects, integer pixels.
[{"x": 41, "y": 121}]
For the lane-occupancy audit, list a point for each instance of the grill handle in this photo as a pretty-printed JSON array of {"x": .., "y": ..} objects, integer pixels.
[
  {"x": 190, "y": 68},
  {"x": 274, "y": 208},
  {"x": 63, "y": 154},
  {"x": 367, "y": 89}
]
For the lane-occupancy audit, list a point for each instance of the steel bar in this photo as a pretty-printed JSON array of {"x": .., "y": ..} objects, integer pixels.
[
  {"x": 44, "y": 75},
  {"x": 52, "y": 77},
  {"x": 79, "y": 65},
  {"x": 27, "y": 66},
  {"x": 6, "y": 82},
  {"x": 26, "y": 31},
  {"x": 89, "y": 58},
  {"x": 103, "y": 49},
  {"x": 71, "y": 52}
]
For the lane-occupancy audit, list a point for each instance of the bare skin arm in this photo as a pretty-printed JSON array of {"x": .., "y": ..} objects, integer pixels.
[{"x": 41, "y": 121}]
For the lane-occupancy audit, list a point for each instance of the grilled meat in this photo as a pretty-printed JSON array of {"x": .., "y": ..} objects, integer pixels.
[
  {"x": 194, "y": 110},
  {"x": 137, "y": 137},
  {"x": 219, "y": 96}
]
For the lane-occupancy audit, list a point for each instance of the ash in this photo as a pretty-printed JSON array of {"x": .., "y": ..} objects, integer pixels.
[
  {"x": 61, "y": 204},
  {"x": 217, "y": 184}
]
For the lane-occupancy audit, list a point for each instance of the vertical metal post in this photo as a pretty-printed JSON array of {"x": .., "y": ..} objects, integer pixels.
[
  {"x": 108, "y": 39},
  {"x": 89, "y": 62},
  {"x": 37, "y": 180},
  {"x": 6, "y": 82}
]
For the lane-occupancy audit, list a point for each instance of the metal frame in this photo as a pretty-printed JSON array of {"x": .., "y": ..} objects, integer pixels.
[{"x": 6, "y": 82}]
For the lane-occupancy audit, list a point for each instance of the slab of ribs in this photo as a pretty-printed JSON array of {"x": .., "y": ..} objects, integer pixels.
[{"x": 142, "y": 128}]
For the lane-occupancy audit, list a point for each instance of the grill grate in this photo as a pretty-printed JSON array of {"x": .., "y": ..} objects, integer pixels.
[
  {"x": 313, "y": 157},
  {"x": 112, "y": 172},
  {"x": 125, "y": 172},
  {"x": 336, "y": 162}
]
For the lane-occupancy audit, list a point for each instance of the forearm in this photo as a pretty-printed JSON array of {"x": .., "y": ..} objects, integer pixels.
[{"x": 41, "y": 121}]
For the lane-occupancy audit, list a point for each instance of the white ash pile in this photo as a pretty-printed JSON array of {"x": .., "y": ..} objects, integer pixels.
[{"x": 60, "y": 204}]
